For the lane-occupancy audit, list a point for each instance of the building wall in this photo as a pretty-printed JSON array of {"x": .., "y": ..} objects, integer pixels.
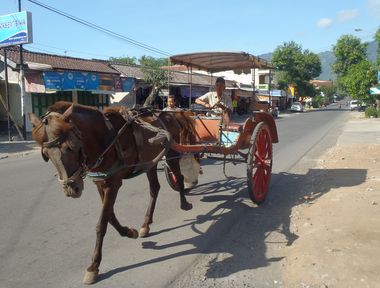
[
  {"x": 3, "y": 114},
  {"x": 14, "y": 102},
  {"x": 254, "y": 76}
]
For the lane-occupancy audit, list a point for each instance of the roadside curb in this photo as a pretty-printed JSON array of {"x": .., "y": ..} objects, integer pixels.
[{"x": 10, "y": 149}]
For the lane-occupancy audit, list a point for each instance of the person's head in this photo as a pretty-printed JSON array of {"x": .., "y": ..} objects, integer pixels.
[
  {"x": 171, "y": 102},
  {"x": 220, "y": 85}
]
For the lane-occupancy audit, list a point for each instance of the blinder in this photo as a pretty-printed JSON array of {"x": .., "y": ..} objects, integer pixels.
[{"x": 44, "y": 154}]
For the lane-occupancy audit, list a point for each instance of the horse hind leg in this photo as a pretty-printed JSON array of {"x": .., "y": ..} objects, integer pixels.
[
  {"x": 175, "y": 168},
  {"x": 154, "y": 187}
]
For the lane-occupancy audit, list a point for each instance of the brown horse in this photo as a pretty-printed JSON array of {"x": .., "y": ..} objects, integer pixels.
[{"x": 80, "y": 139}]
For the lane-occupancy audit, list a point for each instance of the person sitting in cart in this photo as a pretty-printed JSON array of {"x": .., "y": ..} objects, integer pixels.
[
  {"x": 171, "y": 104},
  {"x": 217, "y": 100}
]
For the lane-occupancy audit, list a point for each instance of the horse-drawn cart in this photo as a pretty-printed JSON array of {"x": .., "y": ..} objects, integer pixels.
[
  {"x": 249, "y": 143},
  {"x": 119, "y": 143}
]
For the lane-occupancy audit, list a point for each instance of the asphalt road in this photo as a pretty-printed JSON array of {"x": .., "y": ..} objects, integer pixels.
[{"x": 47, "y": 239}]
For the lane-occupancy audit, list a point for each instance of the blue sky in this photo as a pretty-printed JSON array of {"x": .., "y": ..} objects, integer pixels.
[{"x": 179, "y": 26}]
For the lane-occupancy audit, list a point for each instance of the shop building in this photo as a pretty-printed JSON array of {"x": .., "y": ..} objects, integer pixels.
[{"x": 50, "y": 78}]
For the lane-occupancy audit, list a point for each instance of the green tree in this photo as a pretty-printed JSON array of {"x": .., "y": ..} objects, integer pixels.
[
  {"x": 359, "y": 79},
  {"x": 329, "y": 92},
  {"x": 348, "y": 51},
  {"x": 297, "y": 66},
  {"x": 124, "y": 60},
  {"x": 153, "y": 73}
]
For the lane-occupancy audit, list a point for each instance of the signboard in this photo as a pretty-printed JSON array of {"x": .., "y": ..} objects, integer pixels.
[
  {"x": 71, "y": 80},
  {"x": 16, "y": 29},
  {"x": 378, "y": 76},
  {"x": 262, "y": 87}
]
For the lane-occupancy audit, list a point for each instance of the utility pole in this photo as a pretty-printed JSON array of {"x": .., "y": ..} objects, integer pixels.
[
  {"x": 22, "y": 85},
  {"x": 7, "y": 92}
]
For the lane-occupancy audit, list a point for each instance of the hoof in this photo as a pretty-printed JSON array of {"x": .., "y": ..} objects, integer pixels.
[
  {"x": 186, "y": 206},
  {"x": 90, "y": 277},
  {"x": 135, "y": 234},
  {"x": 144, "y": 232}
]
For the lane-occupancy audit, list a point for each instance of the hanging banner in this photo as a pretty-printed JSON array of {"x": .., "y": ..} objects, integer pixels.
[
  {"x": 53, "y": 80},
  {"x": 34, "y": 82},
  {"x": 128, "y": 84},
  {"x": 118, "y": 84},
  {"x": 71, "y": 80},
  {"x": 106, "y": 83},
  {"x": 80, "y": 81},
  {"x": 16, "y": 29}
]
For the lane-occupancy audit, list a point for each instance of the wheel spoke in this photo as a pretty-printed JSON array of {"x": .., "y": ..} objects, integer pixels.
[{"x": 261, "y": 163}]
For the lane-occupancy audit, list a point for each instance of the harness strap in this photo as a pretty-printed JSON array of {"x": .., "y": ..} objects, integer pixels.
[
  {"x": 162, "y": 137},
  {"x": 119, "y": 149}
]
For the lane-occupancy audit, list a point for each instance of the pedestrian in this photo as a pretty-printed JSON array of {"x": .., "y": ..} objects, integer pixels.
[{"x": 234, "y": 105}]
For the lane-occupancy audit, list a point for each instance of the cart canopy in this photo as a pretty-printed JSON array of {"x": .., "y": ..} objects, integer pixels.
[{"x": 239, "y": 62}]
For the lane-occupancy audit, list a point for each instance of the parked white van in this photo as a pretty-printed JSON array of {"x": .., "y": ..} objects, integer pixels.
[{"x": 354, "y": 105}]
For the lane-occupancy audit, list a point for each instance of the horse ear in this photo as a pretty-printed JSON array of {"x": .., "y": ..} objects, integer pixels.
[
  {"x": 34, "y": 119},
  {"x": 68, "y": 112}
]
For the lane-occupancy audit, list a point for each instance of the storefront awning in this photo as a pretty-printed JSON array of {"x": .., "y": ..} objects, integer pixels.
[{"x": 374, "y": 91}]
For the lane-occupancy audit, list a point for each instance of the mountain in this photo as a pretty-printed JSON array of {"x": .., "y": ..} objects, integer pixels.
[{"x": 328, "y": 58}]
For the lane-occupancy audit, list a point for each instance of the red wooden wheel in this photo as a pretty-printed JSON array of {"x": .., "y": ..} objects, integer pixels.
[
  {"x": 172, "y": 180},
  {"x": 259, "y": 170}
]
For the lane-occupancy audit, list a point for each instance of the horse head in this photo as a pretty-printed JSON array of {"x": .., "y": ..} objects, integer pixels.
[{"x": 60, "y": 141}]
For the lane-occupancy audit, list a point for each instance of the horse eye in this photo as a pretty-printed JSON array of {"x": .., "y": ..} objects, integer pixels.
[{"x": 65, "y": 147}]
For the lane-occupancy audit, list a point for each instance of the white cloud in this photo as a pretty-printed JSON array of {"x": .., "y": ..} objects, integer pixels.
[
  {"x": 324, "y": 23},
  {"x": 374, "y": 7},
  {"x": 347, "y": 15}
]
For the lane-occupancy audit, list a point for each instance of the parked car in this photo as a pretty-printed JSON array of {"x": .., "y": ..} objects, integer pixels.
[
  {"x": 354, "y": 105},
  {"x": 297, "y": 107}
]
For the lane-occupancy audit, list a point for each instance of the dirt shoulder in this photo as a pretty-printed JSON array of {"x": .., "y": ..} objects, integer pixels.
[{"x": 338, "y": 242}]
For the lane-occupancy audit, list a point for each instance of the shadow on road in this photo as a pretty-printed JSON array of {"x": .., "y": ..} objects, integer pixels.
[{"x": 242, "y": 231}]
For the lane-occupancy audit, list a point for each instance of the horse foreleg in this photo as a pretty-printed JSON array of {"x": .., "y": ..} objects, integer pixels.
[
  {"x": 154, "y": 187},
  {"x": 109, "y": 197},
  {"x": 124, "y": 231},
  {"x": 175, "y": 168}
]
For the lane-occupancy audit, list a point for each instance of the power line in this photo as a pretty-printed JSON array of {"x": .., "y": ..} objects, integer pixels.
[
  {"x": 66, "y": 50},
  {"x": 101, "y": 29}
]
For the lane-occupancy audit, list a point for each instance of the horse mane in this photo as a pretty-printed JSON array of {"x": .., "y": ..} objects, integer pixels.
[{"x": 59, "y": 126}]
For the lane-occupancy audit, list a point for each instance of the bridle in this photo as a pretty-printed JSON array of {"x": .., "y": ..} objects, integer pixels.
[
  {"x": 75, "y": 137},
  {"x": 76, "y": 145}
]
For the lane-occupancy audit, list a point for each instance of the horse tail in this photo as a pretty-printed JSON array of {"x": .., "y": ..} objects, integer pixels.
[{"x": 187, "y": 133}]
